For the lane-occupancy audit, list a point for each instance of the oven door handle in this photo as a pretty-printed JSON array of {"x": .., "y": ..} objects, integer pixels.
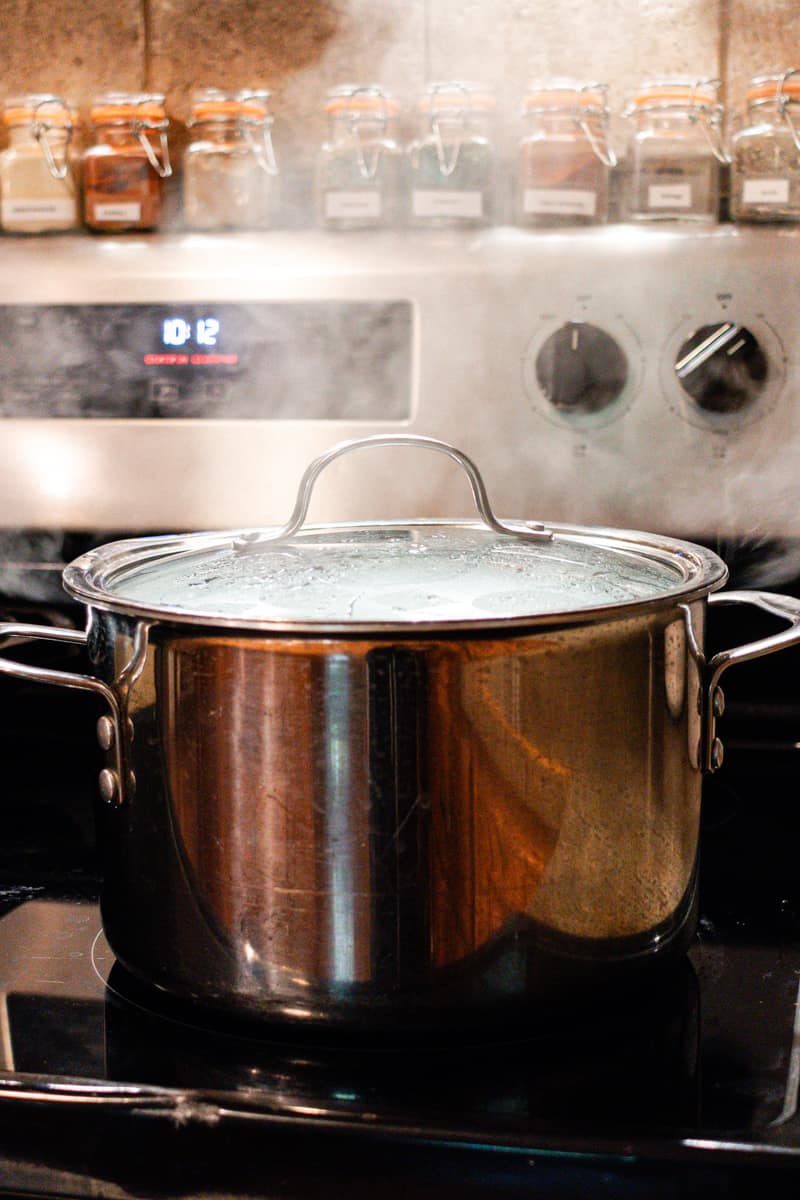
[
  {"x": 786, "y": 608},
  {"x": 109, "y": 785}
]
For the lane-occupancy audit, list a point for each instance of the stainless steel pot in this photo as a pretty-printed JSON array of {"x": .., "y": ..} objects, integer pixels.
[{"x": 399, "y": 772}]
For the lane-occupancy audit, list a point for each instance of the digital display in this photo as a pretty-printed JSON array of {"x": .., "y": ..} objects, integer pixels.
[
  {"x": 176, "y": 331},
  {"x": 195, "y": 338},
  {"x": 276, "y": 360}
]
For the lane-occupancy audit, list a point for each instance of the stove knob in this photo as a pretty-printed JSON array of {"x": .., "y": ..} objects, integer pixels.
[
  {"x": 722, "y": 368},
  {"x": 581, "y": 369}
]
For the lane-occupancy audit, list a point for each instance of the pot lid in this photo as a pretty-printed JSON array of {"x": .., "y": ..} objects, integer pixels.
[{"x": 421, "y": 575}]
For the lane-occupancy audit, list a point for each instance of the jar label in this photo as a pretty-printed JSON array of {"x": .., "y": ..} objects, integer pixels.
[
  {"x": 669, "y": 195},
  {"x": 765, "y": 191},
  {"x": 560, "y": 200},
  {"x": 30, "y": 209},
  {"x": 366, "y": 203},
  {"x": 130, "y": 211},
  {"x": 447, "y": 204}
]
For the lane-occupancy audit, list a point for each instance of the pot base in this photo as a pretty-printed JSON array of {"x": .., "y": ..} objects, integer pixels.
[{"x": 529, "y": 974}]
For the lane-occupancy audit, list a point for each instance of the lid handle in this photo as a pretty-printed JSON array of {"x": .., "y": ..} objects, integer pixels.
[{"x": 529, "y": 531}]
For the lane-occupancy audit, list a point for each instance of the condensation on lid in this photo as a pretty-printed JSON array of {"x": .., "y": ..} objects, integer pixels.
[{"x": 416, "y": 574}]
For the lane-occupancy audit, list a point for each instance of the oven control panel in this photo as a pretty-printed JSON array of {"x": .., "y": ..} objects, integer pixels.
[
  {"x": 208, "y": 360},
  {"x": 645, "y": 378}
]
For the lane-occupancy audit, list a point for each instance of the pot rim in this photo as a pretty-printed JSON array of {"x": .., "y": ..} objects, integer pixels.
[{"x": 90, "y": 577}]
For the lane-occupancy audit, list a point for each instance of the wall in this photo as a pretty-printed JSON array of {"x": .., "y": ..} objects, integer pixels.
[{"x": 299, "y": 48}]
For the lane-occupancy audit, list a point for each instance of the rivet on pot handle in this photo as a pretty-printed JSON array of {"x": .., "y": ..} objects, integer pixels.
[
  {"x": 69, "y": 679},
  {"x": 530, "y": 531},
  {"x": 787, "y": 608}
]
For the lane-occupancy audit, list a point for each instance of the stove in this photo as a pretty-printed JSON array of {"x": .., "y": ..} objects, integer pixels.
[
  {"x": 580, "y": 403},
  {"x": 684, "y": 1084}
]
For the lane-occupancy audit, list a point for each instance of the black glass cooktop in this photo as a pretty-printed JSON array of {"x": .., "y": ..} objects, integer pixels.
[{"x": 695, "y": 1077}]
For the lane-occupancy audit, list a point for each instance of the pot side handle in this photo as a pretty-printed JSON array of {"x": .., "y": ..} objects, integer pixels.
[
  {"x": 69, "y": 679},
  {"x": 786, "y": 608}
]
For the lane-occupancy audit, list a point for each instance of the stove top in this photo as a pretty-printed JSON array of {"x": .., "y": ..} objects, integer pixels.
[{"x": 695, "y": 1077}]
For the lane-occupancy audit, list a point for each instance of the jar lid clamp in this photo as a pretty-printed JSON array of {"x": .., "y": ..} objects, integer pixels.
[
  {"x": 144, "y": 113},
  {"x": 457, "y": 103},
  {"x": 783, "y": 101},
  {"x": 587, "y": 99},
  {"x": 44, "y": 114},
  {"x": 141, "y": 125},
  {"x": 41, "y": 129},
  {"x": 710, "y": 131},
  {"x": 263, "y": 149},
  {"x": 605, "y": 153},
  {"x": 248, "y": 111},
  {"x": 696, "y": 97},
  {"x": 376, "y": 113}
]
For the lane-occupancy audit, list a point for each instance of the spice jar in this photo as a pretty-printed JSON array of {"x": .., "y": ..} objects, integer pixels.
[
  {"x": 765, "y": 176},
  {"x": 229, "y": 168},
  {"x": 565, "y": 155},
  {"x": 123, "y": 172},
  {"x": 38, "y": 183},
  {"x": 359, "y": 164},
  {"x": 675, "y": 151},
  {"x": 451, "y": 161}
]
